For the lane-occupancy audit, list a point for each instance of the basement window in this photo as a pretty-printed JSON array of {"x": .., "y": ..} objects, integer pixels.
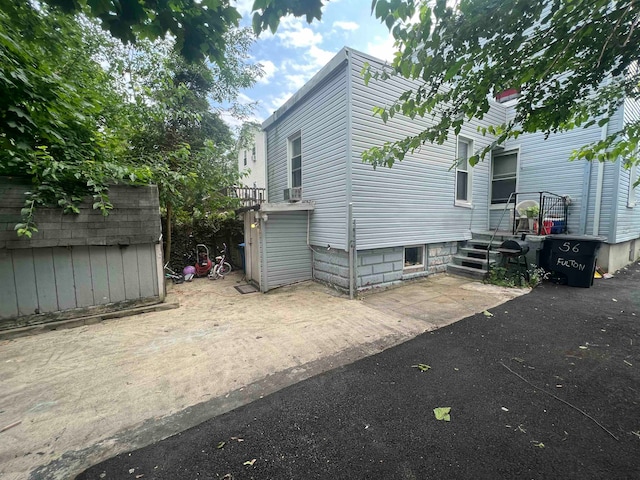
[{"x": 414, "y": 258}]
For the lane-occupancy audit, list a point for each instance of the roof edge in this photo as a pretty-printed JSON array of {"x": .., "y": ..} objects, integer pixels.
[{"x": 335, "y": 63}]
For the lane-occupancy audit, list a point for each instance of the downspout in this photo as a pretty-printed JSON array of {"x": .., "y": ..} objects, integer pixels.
[
  {"x": 599, "y": 183},
  {"x": 586, "y": 195},
  {"x": 600, "y": 180},
  {"x": 351, "y": 254},
  {"x": 265, "y": 174},
  {"x": 349, "y": 205},
  {"x": 313, "y": 253}
]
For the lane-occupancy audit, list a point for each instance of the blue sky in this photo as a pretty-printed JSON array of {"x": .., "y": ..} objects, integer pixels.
[{"x": 298, "y": 49}]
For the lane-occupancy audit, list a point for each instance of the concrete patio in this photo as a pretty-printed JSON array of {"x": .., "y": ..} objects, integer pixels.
[{"x": 76, "y": 396}]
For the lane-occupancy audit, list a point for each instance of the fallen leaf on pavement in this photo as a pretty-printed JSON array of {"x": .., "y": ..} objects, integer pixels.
[
  {"x": 442, "y": 413},
  {"x": 250, "y": 462},
  {"x": 221, "y": 445},
  {"x": 422, "y": 367},
  {"x": 487, "y": 313}
]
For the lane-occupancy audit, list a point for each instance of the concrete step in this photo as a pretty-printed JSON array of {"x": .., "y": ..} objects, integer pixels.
[
  {"x": 480, "y": 263},
  {"x": 478, "y": 253},
  {"x": 501, "y": 234},
  {"x": 481, "y": 243},
  {"x": 466, "y": 271}
]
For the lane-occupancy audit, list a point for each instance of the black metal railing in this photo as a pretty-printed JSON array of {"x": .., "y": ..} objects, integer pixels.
[
  {"x": 552, "y": 215},
  {"x": 547, "y": 214},
  {"x": 248, "y": 195}
]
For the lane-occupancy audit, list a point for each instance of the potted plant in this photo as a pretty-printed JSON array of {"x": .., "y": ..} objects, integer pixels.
[{"x": 532, "y": 213}]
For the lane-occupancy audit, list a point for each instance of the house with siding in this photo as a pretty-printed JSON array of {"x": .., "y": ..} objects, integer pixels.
[
  {"x": 251, "y": 161},
  {"x": 357, "y": 227}
]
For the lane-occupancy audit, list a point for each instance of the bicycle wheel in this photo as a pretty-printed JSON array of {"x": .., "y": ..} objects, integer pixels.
[
  {"x": 224, "y": 269},
  {"x": 214, "y": 273}
]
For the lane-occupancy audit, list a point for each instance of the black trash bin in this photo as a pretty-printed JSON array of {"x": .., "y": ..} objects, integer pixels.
[
  {"x": 572, "y": 257},
  {"x": 241, "y": 248}
]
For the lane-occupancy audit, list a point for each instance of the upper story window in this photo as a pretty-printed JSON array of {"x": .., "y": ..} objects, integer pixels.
[
  {"x": 504, "y": 176},
  {"x": 295, "y": 161},
  {"x": 245, "y": 158},
  {"x": 463, "y": 171},
  {"x": 253, "y": 153}
]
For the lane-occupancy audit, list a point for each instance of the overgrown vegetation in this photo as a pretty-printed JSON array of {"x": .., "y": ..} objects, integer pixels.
[
  {"x": 515, "y": 278},
  {"x": 573, "y": 62},
  {"x": 95, "y": 93}
]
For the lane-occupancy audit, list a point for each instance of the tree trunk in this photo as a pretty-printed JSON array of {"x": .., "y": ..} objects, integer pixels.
[{"x": 167, "y": 244}]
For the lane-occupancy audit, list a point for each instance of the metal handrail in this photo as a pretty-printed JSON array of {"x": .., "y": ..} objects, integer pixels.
[
  {"x": 498, "y": 227},
  {"x": 514, "y": 195}
]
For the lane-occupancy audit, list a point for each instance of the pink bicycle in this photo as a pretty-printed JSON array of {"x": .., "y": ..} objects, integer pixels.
[{"x": 221, "y": 267}]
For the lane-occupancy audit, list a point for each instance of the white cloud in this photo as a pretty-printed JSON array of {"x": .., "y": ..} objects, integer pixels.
[
  {"x": 269, "y": 69},
  {"x": 349, "y": 26},
  {"x": 299, "y": 37},
  {"x": 297, "y": 80},
  {"x": 277, "y": 102},
  {"x": 245, "y": 99},
  {"x": 321, "y": 56},
  {"x": 230, "y": 120},
  {"x": 382, "y": 48},
  {"x": 244, "y": 7}
]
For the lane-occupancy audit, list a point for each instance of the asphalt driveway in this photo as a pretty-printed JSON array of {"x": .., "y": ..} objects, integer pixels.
[
  {"x": 546, "y": 387},
  {"x": 71, "y": 398}
]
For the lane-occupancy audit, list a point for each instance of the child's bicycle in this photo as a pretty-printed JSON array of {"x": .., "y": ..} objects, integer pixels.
[
  {"x": 221, "y": 267},
  {"x": 175, "y": 277}
]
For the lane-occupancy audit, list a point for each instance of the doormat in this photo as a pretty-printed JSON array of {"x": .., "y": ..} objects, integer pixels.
[{"x": 246, "y": 289}]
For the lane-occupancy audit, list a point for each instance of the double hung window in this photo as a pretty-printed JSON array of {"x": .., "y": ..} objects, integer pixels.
[
  {"x": 295, "y": 161},
  {"x": 463, "y": 171},
  {"x": 503, "y": 177}
]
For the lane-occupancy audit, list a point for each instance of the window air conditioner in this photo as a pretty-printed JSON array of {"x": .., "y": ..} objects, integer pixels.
[{"x": 293, "y": 194}]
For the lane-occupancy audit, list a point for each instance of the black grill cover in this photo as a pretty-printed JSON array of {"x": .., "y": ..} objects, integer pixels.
[{"x": 519, "y": 246}]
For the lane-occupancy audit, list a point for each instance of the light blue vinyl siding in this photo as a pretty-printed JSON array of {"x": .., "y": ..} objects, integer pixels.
[
  {"x": 321, "y": 118},
  {"x": 545, "y": 166},
  {"x": 627, "y": 226},
  {"x": 287, "y": 258},
  {"x": 413, "y": 202}
]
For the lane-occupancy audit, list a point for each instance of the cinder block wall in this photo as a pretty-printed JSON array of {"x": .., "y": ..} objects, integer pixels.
[
  {"x": 134, "y": 220},
  {"x": 379, "y": 266},
  {"x": 331, "y": 266},
  {"x": 439, "y": 255}
]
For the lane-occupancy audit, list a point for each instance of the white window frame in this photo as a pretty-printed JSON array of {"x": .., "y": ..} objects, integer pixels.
[
  {"x": 631, "y": 194},
  {"x": 468, "y": 202},
  {"x": 290, "y": 140},
  {"x": 413, "y": 268},
  {"x": 510, "y": 151}
]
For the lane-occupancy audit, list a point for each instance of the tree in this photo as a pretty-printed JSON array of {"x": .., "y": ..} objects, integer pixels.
[
  {"x": 179, "y": 136},
  {"x": 573, "y": 61},
  {"x": 66, "y": 119},
  {"x": 198, "y": 27},
  {"x": 52, "y": 102}
]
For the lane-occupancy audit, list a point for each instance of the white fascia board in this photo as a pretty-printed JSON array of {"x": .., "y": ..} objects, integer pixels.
[{"x": 287, "y": 206}]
